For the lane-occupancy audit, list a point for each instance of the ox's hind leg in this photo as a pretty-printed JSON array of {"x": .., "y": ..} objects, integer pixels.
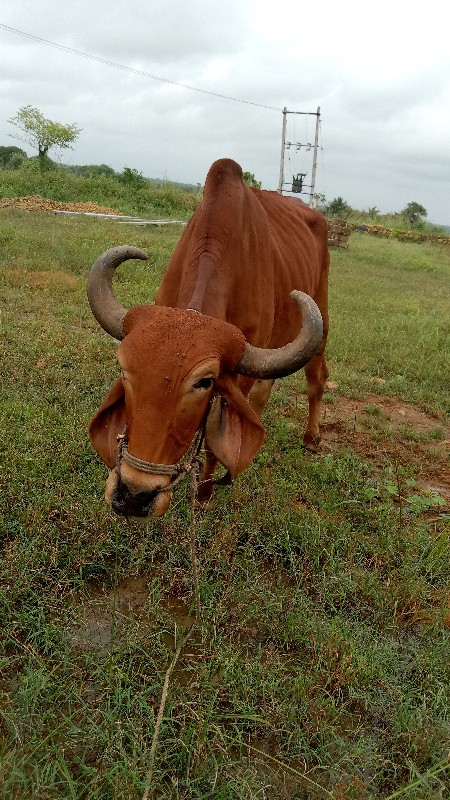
[
  {"x": 316, "y": 371},
  {"x": 316, "y": 374}
]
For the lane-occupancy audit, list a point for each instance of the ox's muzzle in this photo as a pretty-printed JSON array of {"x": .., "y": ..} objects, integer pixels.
[
  {"x": 136, "y": 504},
  {"x": 142, "y": 489},
  {"x": 141, "y": 504}
]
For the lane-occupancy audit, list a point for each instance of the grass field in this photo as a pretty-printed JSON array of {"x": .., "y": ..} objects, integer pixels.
[{"x": 320, "y": 665}]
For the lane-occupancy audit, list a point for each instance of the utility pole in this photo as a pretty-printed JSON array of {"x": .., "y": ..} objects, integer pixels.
[
  {"x": 316, "y": 114},
  {"x": 283, "y": 147},
  {"x": 312, "y": 199}
]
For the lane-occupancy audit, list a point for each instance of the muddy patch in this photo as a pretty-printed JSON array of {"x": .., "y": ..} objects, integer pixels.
[
  {"x": 104, "y": 616},
  {"x": 108, "y": 616},
  {"x": 108, "y": 620}
]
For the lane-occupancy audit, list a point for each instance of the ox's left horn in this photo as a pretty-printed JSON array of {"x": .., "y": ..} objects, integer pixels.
[
  {"x": 105, "y": 306},
  {"x": 276, "y": 363}
]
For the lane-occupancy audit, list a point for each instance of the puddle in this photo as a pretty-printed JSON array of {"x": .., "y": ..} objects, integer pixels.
[{"x": 138, "y": 617}]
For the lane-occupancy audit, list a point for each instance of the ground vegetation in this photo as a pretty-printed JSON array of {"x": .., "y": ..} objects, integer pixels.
[{"x": 318, "y": 667}]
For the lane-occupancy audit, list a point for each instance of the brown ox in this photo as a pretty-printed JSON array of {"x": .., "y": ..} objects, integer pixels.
[{"x": 201, "y": 361}]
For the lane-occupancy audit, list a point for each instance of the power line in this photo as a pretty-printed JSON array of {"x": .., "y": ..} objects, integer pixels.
[{"x": 123, "y": 67}]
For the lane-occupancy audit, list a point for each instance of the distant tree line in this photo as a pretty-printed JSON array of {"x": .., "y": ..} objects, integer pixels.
[
  {"x": 14, "y": 158},
  {"x": 413, "y": 214}
]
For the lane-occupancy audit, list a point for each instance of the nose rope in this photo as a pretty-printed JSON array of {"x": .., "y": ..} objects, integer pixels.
[{"x": 189, "y": 464}]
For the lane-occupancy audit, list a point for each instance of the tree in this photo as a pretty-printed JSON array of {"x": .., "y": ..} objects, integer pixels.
[
  {"x": 373, "y": 211},
  {"x": 339, "y": 208},
  {"x": 250, "y": 180},
  {"x": 320, "y": 198},
  {"x": 414, "y": 212},
  {"x": 132, "y": 177},
  {"x": 12, "y": 157},
  {"x": 41, "y": 133}
]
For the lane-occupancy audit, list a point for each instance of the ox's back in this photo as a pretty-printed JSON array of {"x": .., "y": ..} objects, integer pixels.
[
  {"x": 242, "y": 253},
  {"x": 299, "y": 236},
  {"x": 300, "y": 256},
  {"x": 223, "y": 263}
]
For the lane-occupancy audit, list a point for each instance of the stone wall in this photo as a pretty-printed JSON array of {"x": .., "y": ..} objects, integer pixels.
[
  {"x": 402, "y": 236},
  {"x": 338, "y": 233}
]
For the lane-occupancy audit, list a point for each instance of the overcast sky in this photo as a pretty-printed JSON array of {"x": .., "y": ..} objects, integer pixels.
[{"x": 379, "y": 72}]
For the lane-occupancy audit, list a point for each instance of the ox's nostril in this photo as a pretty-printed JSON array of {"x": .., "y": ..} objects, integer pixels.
[{"x": 132, "y": 504}]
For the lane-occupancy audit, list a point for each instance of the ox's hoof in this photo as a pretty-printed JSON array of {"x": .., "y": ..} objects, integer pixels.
[
  {"x": 205, "y": 492},
  {"x": 225, "y": 480},
  {"x": 311, "y": 443}
]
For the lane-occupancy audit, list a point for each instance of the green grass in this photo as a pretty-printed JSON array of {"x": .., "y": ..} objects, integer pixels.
[
  {"x": 321, "y": 665},
  {"x": 390, "y": 320}
]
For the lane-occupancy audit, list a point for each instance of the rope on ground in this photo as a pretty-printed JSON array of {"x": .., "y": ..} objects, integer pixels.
[
  {"x": 194, "y": 472},
  {"x": 183, "y": 639}
]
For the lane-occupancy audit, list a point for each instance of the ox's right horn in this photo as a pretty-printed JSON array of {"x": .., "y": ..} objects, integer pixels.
[
  {"x": 258, "y": 362},
  {"x": 106, "y": 308}
]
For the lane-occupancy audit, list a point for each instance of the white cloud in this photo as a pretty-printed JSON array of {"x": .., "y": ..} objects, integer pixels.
[{"x": 379, "y": 74}]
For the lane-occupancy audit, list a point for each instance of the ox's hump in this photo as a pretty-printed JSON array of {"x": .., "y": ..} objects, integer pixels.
[{"x": 223, "y": 168}]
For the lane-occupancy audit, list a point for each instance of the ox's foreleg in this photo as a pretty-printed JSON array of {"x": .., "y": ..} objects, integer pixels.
[
  {"x": 205, "y": 489},
  {"x": 257, "y": 397}
]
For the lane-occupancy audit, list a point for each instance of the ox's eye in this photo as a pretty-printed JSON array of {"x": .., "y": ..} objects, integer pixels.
[{"x": 203, "y": 383}]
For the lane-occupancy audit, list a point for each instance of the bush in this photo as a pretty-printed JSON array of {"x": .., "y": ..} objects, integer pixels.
[
  {"x": 129, "y": 192},
  {"x": 12, "y": 157}
]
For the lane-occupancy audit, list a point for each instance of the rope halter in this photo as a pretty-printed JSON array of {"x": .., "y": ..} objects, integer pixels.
[{"x": 189, "y": 464}]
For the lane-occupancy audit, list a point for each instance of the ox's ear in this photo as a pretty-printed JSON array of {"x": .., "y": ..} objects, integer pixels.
[
  {"x": 233, "y": 431},
  {"x": 108, "y": 422}
]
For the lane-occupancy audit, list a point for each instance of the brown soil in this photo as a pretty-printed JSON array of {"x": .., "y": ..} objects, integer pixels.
[
  {"x": 38, "y": 203},
  {"x": 384, "y": 429}
]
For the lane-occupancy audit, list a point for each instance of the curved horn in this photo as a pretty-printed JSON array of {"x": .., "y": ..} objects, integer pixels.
[
  {"x": 106, "y": 308},
  {"x": 260, "y": 363}
]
